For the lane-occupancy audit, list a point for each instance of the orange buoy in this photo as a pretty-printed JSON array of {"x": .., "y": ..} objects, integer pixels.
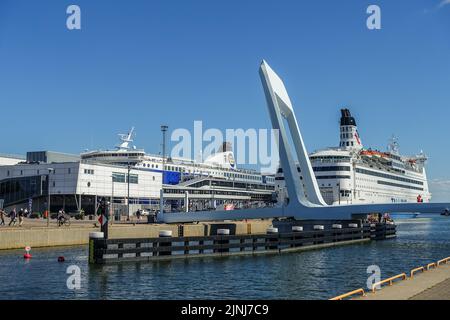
[{"x": 61, "y": 259}]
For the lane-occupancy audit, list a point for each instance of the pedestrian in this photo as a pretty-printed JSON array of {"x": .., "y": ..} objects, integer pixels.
[
  {"x": 61, "y": 217},
  {"x": 21, "y": 215},
  {"x": 2, "y": 217},
  {"x": 12, "y": 216},
  {"x": 138, "y": 214}
]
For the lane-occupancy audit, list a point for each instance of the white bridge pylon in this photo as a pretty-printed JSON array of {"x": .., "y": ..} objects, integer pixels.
[{"x": 305, "y": 199}]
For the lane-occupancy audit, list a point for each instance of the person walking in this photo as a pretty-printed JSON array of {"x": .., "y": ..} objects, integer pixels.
[
  {"x": 61, "y": 217},
  {"x": 2, "y": 217},
  {"x": 12, "y": 216},
  {"x": 21, "y": 215}
]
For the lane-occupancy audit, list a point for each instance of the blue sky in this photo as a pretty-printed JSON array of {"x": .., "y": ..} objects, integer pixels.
[{"x": 144, "y": 63}]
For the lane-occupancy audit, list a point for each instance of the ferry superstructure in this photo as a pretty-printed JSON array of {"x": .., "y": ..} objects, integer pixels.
[
  {"x": 221, "y": 165},
  {"x": 352, "y": 174}
]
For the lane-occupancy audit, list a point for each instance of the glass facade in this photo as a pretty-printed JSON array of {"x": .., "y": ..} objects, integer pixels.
[
  {"x": 121, "y": 178},
  {"x": 20, "y": 189}
]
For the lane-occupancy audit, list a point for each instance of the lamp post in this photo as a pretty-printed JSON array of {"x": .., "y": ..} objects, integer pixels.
[
  {"x": 164, "y": 129},
  {"x": 128, "y": 198},
  {"x": 50, "y": 170},
  {"x": 339, "y": 192},
  {"x": 112, "y": 198}
]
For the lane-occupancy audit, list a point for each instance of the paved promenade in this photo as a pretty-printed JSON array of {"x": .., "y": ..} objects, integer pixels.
[
  {"x": 429, "y": 285},
  {"x": 38, "y": 223}
]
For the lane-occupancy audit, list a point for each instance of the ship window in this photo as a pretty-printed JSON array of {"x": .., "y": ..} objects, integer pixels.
[
  {"x": 335, "y": 168},
  {"x": 332, "y": 177}
]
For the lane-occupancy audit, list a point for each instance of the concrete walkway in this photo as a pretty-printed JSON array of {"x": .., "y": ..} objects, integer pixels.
[{"x": 429, "y": 285}]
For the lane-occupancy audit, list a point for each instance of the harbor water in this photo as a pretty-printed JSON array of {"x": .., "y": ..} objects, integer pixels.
[{"x": 318, "y": 274}]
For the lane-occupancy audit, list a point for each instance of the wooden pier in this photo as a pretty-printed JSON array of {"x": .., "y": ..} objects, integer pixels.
[{"x": 310, "y": 236}]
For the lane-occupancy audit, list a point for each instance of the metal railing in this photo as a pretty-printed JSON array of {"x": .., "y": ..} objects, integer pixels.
[
  {"x": 413, "y": 271},
  {"x": 443, "y": 261},
  {"x": 431, "y": 265},
  {"x": 390, "y": 280},
  {"x": 349, "y": 294}
]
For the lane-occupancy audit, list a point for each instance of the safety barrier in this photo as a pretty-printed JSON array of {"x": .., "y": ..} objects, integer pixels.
[
  {"x": 443, "y": 261},
  {"x": 413, "y": 271},
  {"x": 431, "y": 265},
  {"x": 389, "y": 280},
  {"x": 349, "y": 294}
]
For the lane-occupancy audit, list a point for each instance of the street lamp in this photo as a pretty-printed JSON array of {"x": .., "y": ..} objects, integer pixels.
[
  {"x": 50, "y": 170},
  {"x": 128, "y": 199},
  {"x": 164, "y": 129},
  {"x": 112, "y": 198},
  {"x": 339, "y": 192}
]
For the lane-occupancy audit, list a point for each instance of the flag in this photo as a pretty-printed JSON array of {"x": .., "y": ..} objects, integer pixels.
[
  {"x": 357, "y": 137},
  {"x": 103, "y": 219}
]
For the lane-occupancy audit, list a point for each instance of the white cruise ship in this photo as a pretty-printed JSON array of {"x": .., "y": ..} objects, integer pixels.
[
  {"x": 177, "y": 170},
  {"x": 352, "y": 174}
]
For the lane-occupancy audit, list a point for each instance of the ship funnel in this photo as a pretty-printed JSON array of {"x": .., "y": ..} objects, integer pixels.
[{"x": 349, "y": 131}]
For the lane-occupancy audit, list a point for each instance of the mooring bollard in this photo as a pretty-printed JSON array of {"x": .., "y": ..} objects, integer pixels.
[
  {"x": 94, "y": 243},
  {"x": 223, "y": 241},
  {"x": 273, "y": 242},
  {"x": 165, "y": 234}
]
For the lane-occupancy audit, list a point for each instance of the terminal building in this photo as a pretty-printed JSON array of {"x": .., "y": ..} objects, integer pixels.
[{"x": 131, "y": 180}]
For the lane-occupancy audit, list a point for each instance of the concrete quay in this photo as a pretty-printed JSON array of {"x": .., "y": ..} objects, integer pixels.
[
  {"x": 36, "y": 234},
  {"x": 428, "y": 285}
]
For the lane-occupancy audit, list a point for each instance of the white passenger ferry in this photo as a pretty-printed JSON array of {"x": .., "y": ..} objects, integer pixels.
[
  {"x": 352, "y": 174},
  {"x": 177, "y": 170}
]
